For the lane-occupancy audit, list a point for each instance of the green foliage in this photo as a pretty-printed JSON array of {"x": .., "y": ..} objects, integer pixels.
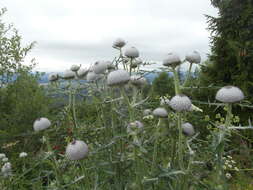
[
  {"x": 231, "y": 45},
  {"x": 163, "y": 85}
]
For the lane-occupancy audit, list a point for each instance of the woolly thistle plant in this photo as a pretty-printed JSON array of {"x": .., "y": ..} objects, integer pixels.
[{"x": 118, "y": 78}]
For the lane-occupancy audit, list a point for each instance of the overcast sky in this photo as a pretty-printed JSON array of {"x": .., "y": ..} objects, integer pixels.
[{"x": 82, "y": 31}]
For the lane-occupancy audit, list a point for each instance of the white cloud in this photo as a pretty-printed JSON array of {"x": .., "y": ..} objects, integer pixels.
[{"x": 82, "y": 31}]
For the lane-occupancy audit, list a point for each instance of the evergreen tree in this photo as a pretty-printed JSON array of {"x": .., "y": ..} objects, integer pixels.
[{"x": 231, "y": 59}]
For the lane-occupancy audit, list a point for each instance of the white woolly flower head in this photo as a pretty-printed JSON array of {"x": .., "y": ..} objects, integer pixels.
[
  {"x": 82, "y": 72},
  {"x": 164, "y": 101},
  {"x": 22, "y": 155},
  {"x": 68, "y": 74},
  {"x": 2, "y": 155},
  {"x": 172, "y": 60},
  {"x": 137, "y": 62},
  {"x": 119, "y": 43},
  {"x": 147, "y": 112},
  {"x": 75, "y": 68},
  {"x": 5, "y": 159},
  {"x": 91, "y": 76},
  {"x": 100, "y": 67},
  {"x": 193, "y": 57},
  {"x": 131, "y": 52},
  {"x": 138, "y": 80},
  {"x": 229, "y": 94},
  {"x": 135, "y": 126},
  {"x": 180, "y": 102},
  {"x": 53, "y": 77},
  {"x": 6, "y": 169},
  {"x": 188, "y": 129},
  {"x": 77, "y": 150},
  {"x": 118, "y": 78},
  {"x": 41, "y": 124},
  {"x": 160, "y": 112}
]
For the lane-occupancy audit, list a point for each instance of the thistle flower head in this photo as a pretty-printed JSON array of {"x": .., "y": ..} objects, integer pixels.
[
  {"x": 22, "y": 155},
  {"x": 229, "y": 94},
  {"x": 138, "y": 80},
  {"x": 180, "y": 102},
  {"x": 132, "y": 52},
  {"x": 118, "y": 78},
  {"x": 6, "y": 169},
  {"x": 82, "y": 72},
  {"x": 41, "y": 124},
  {"x": 2, "y": 155},
  {"x": 100, "y": 67},
  {"x": 135, "y": 126},
  {"x": 160, "y": 112},
  {"x": 147, "y": 112},
  {"x": 188, "y": 129},
  {"x": 75, "y": 68},
  {"x": 53, "y": 77},
  {"x": 77, "y": 150},
  {"x": 119, "y": 43},
  {"x": 193, "y": 57},
  {"x": 172, "y": 60},
  {"x": 91, "y": 76},
  {"x": 68, "y": 74},
  {"x": 5, "y": 159}
]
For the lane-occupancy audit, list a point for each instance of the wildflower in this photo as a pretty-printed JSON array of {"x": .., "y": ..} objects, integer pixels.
[
  {"x": 160, "y": 112},
  {"x": 77, "y": 150},
  {"x": 180, "y": 102},
  {"x": 75, "y": 68},
  {"x": 82, "y": 72},
  {"x": 132, "y": 52},
  {"x": 68, "y": 74},
  {"x": 6, "y": 169},
  {"x": 119, "y": 43},
  {"x": 118, "y": 78},
  {"x": 2, "y": 155},
  {"x": 53, "y": 77},
  {"x": 229, "y": 94},
  {"x": 236, "y": 169},
  {"x": 41, "y": 124},
  {"x": 228, "y": 175},
  {"x": 134, "y": 126},
  {"x": 188, "y": 129},
  {"x": 5, "y": 159},
  {"x": 172, "y": 60},
  {"x": 100, "y": 67},
  {"x": 147, "y": 112},
  {"x": 193, "y": 57},
  {"x": 91, "y": 76},
  {"x": 138, "y": 80},
  {"x": 22, "y": 155}
]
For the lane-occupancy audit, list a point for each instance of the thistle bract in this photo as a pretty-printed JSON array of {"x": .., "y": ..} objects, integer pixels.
[
  {"x": 188, "y": 129},
  {"x": 193, "y": 57},
  {"x": 118, "y": 78},
  {"x": 172, "y": 60},
  {"x": 160, "y": 112},
  {"x": 132, "y": 52},
  {"x": 180, "y": 102},
  {"x": 229, "y": 94},
  {"x": 41, "y": 124},
  {"x": 77, "y": 150},
  {"x": 119, "y": 43}
]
